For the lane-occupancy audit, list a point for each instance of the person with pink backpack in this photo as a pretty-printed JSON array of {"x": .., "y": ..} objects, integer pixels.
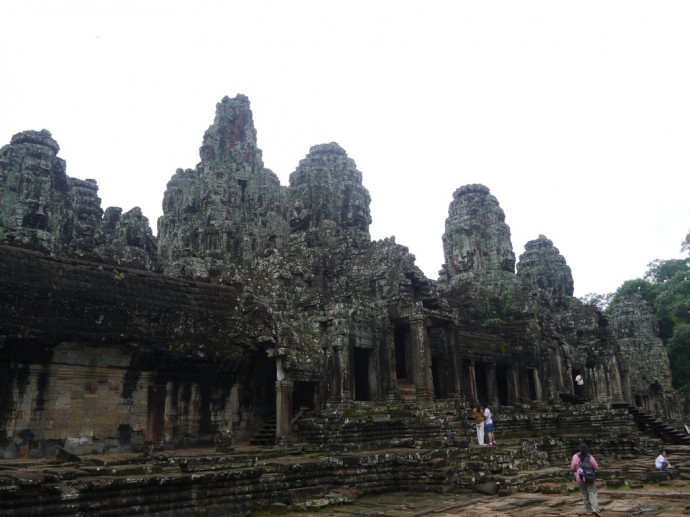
[{"x": 585, "y": 467}]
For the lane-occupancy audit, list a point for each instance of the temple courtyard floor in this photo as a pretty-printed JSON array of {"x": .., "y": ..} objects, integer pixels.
[{"x": 667, "y": 499}]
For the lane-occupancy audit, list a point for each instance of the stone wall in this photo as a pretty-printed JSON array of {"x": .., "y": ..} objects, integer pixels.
[{"x": 94, "y": 356}]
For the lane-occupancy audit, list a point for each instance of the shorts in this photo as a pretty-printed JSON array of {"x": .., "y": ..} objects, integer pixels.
[{"x": 489, "y": 428}]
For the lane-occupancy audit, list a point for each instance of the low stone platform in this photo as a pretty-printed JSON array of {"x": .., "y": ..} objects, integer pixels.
[
  {"x": 273, "y": 481},
  {"x": 340, "y": 462}
]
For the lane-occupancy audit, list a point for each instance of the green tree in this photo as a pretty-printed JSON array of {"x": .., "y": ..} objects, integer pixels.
[
  {"x": 679, "y": 356},
  {"x": 661, "y": 271},
  {"x": 673, "y": 303}
]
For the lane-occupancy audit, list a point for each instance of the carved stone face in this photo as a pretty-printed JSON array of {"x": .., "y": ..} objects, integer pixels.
[
  {"x": 327, "y": 188},
  {"x": 477, "y": 239},
  {"x": 355, "y": 208},
  {"x": 300, "y": 217}
]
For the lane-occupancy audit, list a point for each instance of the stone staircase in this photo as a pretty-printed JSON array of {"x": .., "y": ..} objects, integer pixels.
[
  {"x": 266, "y": 435},
  {"x": 649, "y": 422},
  {"x": 535, "y": 448},
  {"x": 558, "y": 429},
  {"x": 367, "y": 426},
  {"x": 535, "y": 443}
]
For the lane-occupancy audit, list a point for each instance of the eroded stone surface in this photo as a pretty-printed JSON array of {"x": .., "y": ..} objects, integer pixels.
[{"x": 44, "y": 208}]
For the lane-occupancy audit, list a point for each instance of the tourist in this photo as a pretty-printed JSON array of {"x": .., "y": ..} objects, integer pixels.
[
  {"x": 580, "y": 386},
  {"x": 479, "y": 423},
  {"x": 489, "y": 426},
  {"x": 661, "y": 463},
  {"x": 581, "y": 464}
]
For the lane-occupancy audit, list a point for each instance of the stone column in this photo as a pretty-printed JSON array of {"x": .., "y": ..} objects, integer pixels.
[
  {"x": 590, "y": 372},
  {"x": 557, "y": 369},
  {"x": 617, "y": 384},
  {"x": 391, "y": 393},
  {"x": 328, "y": 381},
  {"x": 421, "y": 363},
  {"x": 627, "y": 391},
  {"x": 472, "y": 381},
  {"x": 345, "y": 360},
  {"x": 334, "y": 375},
  {"x": 454, "y": 354},
  {"x": 539, "y": 393},
  {"x": 284, "y": 412},
  {"x": 284, "y": 389}
]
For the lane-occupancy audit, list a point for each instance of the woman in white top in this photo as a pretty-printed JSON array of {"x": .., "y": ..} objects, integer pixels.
[{"x": 488, "y": 426}]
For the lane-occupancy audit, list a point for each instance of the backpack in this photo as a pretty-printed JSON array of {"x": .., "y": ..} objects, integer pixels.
[{"x": 589, "y": 475}]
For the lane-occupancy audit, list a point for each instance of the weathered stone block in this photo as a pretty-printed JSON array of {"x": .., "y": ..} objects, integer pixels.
[{"x": 487, "y": 488}]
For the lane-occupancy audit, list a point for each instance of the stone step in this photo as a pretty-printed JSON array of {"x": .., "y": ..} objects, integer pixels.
[{"x": 266, "y": 435}]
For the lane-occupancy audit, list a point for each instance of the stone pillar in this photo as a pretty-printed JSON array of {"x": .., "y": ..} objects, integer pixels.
[
  {"x": 391, "y": 393},
  {"x": 617, "y": 384},
  {"x": 454, "y": 354},
  {"x": 284, "y": 412},
  {"x": 557, "y": 369},
  {"x": 284, "y": 389},
  {"x": 595, "y": 384},
  {"x": 345, "y": 360},
  {"x": 339, "y": 372},
  {"x": 537, "y": 385},
  {"x": 334, "y": 375},
  {"x": 472, "y": 381},
  {"x": 421, "y": 363},
  {"x": 627, "y": 391}
]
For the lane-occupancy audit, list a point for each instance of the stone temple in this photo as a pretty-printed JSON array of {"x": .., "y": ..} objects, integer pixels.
[{"x": 262, "y": 306}]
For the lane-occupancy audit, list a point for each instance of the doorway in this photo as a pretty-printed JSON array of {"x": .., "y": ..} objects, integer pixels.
[
  {"x": 155, "y": 414},
  {"x": 502, "y": 381},
  {"x": 480, "y": 377},
  {"x": 361, "y": 373},
  {"x": 402, "y": 352}
]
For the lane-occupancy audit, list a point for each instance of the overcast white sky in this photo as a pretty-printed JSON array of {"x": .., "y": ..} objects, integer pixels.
[{"x": 575, "y": 114}]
